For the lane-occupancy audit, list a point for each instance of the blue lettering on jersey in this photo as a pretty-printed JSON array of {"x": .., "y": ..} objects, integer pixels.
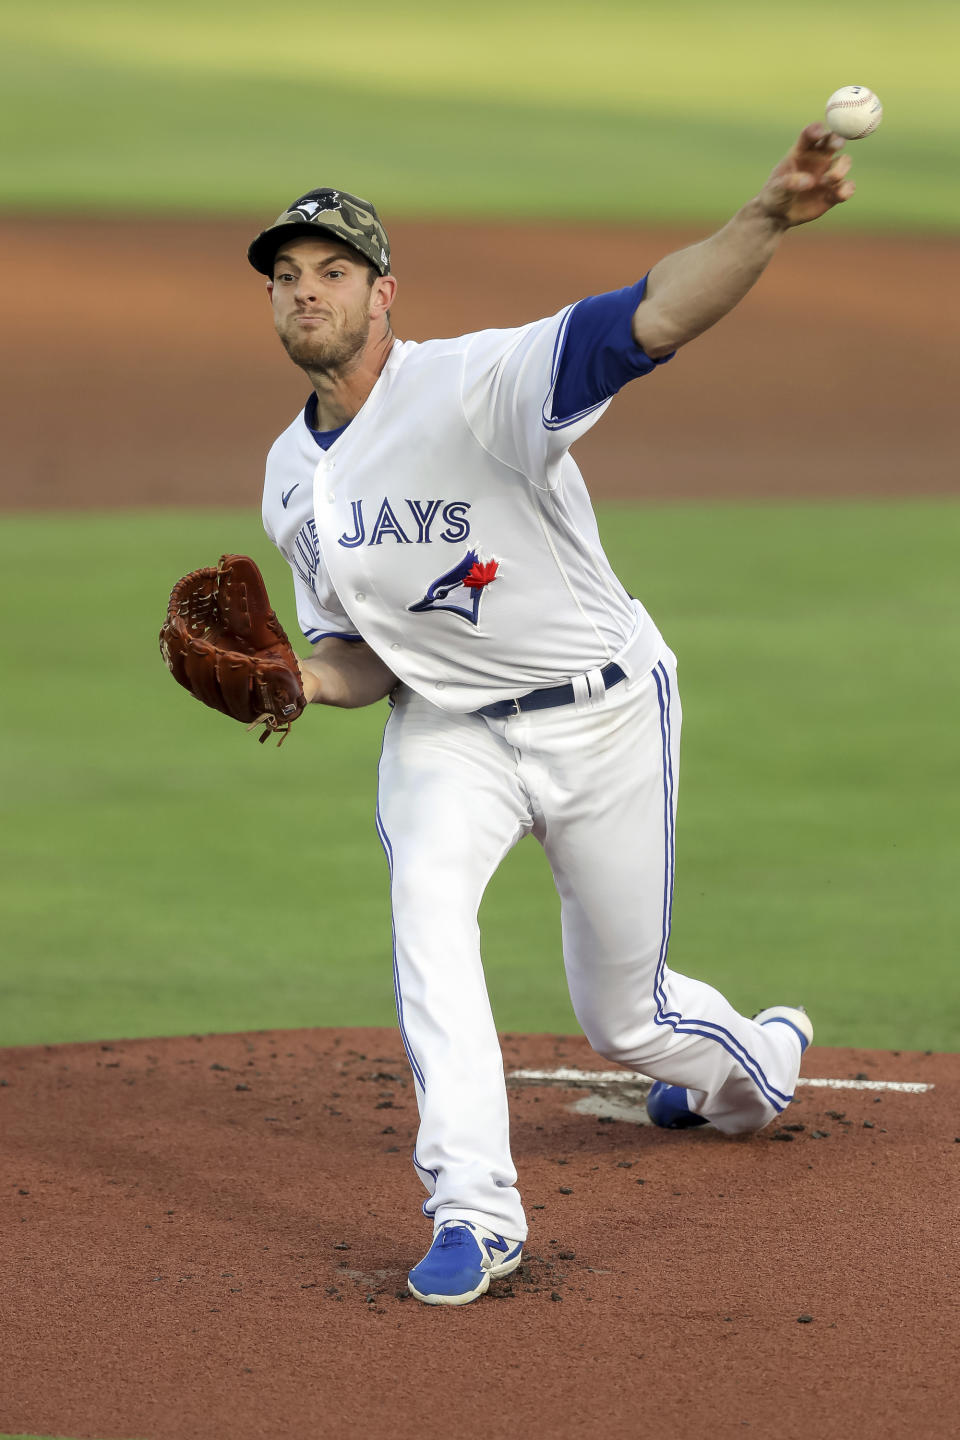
[
  {"x": 458, "y": 527},
  {"x": 306, "y": 554},
  {"x": 350, "y": 542},
  {"x": 423, "y": 512},
  {"x": 387, "y": 523}
]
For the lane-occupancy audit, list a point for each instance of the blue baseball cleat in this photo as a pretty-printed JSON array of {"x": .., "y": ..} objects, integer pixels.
[
  {"x": 667, "y": 1107},
  {"x": 667, "y": 1104},
  {"x": 461, "y": 1262}
]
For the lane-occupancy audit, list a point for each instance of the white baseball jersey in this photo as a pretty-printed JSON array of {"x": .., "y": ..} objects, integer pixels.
[{"x": 449, "y": 527}]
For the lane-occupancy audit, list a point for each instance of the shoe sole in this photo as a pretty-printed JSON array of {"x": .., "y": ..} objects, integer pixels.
[{"x": 495, "y": 1273}]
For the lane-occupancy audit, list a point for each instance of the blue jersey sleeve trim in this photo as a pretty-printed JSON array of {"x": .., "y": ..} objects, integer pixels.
[
  {"x": 595, "y": 355},
  {"x": 316, "y": 635}
]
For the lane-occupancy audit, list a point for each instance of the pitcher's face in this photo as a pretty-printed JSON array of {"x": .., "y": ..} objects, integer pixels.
[{"x": 324, "y": 298}]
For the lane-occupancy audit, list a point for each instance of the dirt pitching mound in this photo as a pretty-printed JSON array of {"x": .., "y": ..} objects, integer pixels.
[{"x": 208, "y": 1239}]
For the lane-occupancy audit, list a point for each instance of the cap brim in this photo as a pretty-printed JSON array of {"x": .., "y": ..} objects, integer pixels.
[{"x": 262, "y": 252}]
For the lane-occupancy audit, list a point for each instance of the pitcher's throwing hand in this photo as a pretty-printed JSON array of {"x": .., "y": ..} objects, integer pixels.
[{"x": 811, "y": 179}]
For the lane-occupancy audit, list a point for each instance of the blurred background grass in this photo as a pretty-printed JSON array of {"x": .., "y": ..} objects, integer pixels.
[
  {"x": 818, "y": 825},
  {"x": 163, "y": 873},
  {"x": 626, "y": 108}
]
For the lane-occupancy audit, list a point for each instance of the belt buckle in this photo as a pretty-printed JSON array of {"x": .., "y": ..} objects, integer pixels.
[{"x": 516, "y": 707}]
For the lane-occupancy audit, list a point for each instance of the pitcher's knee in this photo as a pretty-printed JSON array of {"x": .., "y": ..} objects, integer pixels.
[{"x": 626, "y": 1041}]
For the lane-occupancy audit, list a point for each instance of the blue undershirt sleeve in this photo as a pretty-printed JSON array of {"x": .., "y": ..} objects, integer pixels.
[{"x": 599, "y": 354}]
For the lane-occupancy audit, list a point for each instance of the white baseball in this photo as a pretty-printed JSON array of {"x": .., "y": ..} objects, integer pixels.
[{"x": 853, "y": 112}]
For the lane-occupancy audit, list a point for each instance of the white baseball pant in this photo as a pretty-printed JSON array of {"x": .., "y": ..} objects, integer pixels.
[{"x": 597, "y": 785}]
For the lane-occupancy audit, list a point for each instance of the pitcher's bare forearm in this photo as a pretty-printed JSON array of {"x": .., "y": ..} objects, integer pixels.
[
  {"x": 346, "y": 673},
  {"x": 692, "y": 289}
]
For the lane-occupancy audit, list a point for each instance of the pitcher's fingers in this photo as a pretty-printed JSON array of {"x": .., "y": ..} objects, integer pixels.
[
  {"x": 796, "y": 180},
  {"x": 818, "y": 138},
  {"x": 838, "y": 168},
  {"x": 836, "y": 194}
]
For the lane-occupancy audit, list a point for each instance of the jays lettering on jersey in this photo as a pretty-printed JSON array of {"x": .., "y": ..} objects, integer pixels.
[{"x": 447, "y": 524}]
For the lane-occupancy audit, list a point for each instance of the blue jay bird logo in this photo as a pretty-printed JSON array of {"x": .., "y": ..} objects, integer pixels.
[
  {"x": 315, "y": 200},
  {"x": 460, "y": 590}
]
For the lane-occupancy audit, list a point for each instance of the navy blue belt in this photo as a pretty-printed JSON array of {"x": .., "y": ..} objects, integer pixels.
[{"x": 546, "y": 699}]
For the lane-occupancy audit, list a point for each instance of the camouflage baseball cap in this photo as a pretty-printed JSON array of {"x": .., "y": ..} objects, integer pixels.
[{"x": 332, "y": 211}]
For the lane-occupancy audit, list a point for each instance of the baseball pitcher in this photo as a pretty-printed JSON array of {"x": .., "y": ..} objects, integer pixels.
[{"x": 444, "y": 553}]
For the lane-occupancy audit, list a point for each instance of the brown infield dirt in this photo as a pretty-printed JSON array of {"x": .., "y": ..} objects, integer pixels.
[
  {"x": 140, "y": 365},
  {"x": 208, "y": 1238}
]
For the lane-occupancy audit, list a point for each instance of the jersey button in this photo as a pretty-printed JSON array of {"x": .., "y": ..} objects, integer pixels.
[
  {"x": 360, "y": 595},
  {"x": 394, "y": 646},
  {"x": 439, "y": 685},
  {"x": 331, "y": 499}
]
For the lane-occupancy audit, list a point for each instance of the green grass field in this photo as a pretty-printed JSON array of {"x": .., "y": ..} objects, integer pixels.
[
  {"x": 163, "y": 873},
  {"x": 510, "y": 109}
]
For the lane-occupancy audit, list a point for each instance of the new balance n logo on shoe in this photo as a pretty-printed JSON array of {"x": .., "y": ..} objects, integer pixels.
[{"x": 497, "y": 1243}]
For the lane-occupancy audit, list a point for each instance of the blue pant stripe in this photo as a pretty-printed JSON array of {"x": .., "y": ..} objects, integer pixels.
[
  {"x": 708, "y": 1029},
  {"x": 670, "y": 802},
  {"x": 414, "y": 1063},
  {"x": 667, "y": 832},
  {"x": 425, "y": 1168}
]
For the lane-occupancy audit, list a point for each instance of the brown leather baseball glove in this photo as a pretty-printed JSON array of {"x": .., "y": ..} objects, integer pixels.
[{"x": 222, "y": 641}]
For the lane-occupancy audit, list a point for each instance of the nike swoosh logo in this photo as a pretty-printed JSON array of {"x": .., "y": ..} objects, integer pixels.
[{"x": 286, "y": 497}]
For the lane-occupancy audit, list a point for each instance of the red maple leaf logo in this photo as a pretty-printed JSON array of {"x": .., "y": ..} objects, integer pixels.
[{"x": 481, "y": 574}]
